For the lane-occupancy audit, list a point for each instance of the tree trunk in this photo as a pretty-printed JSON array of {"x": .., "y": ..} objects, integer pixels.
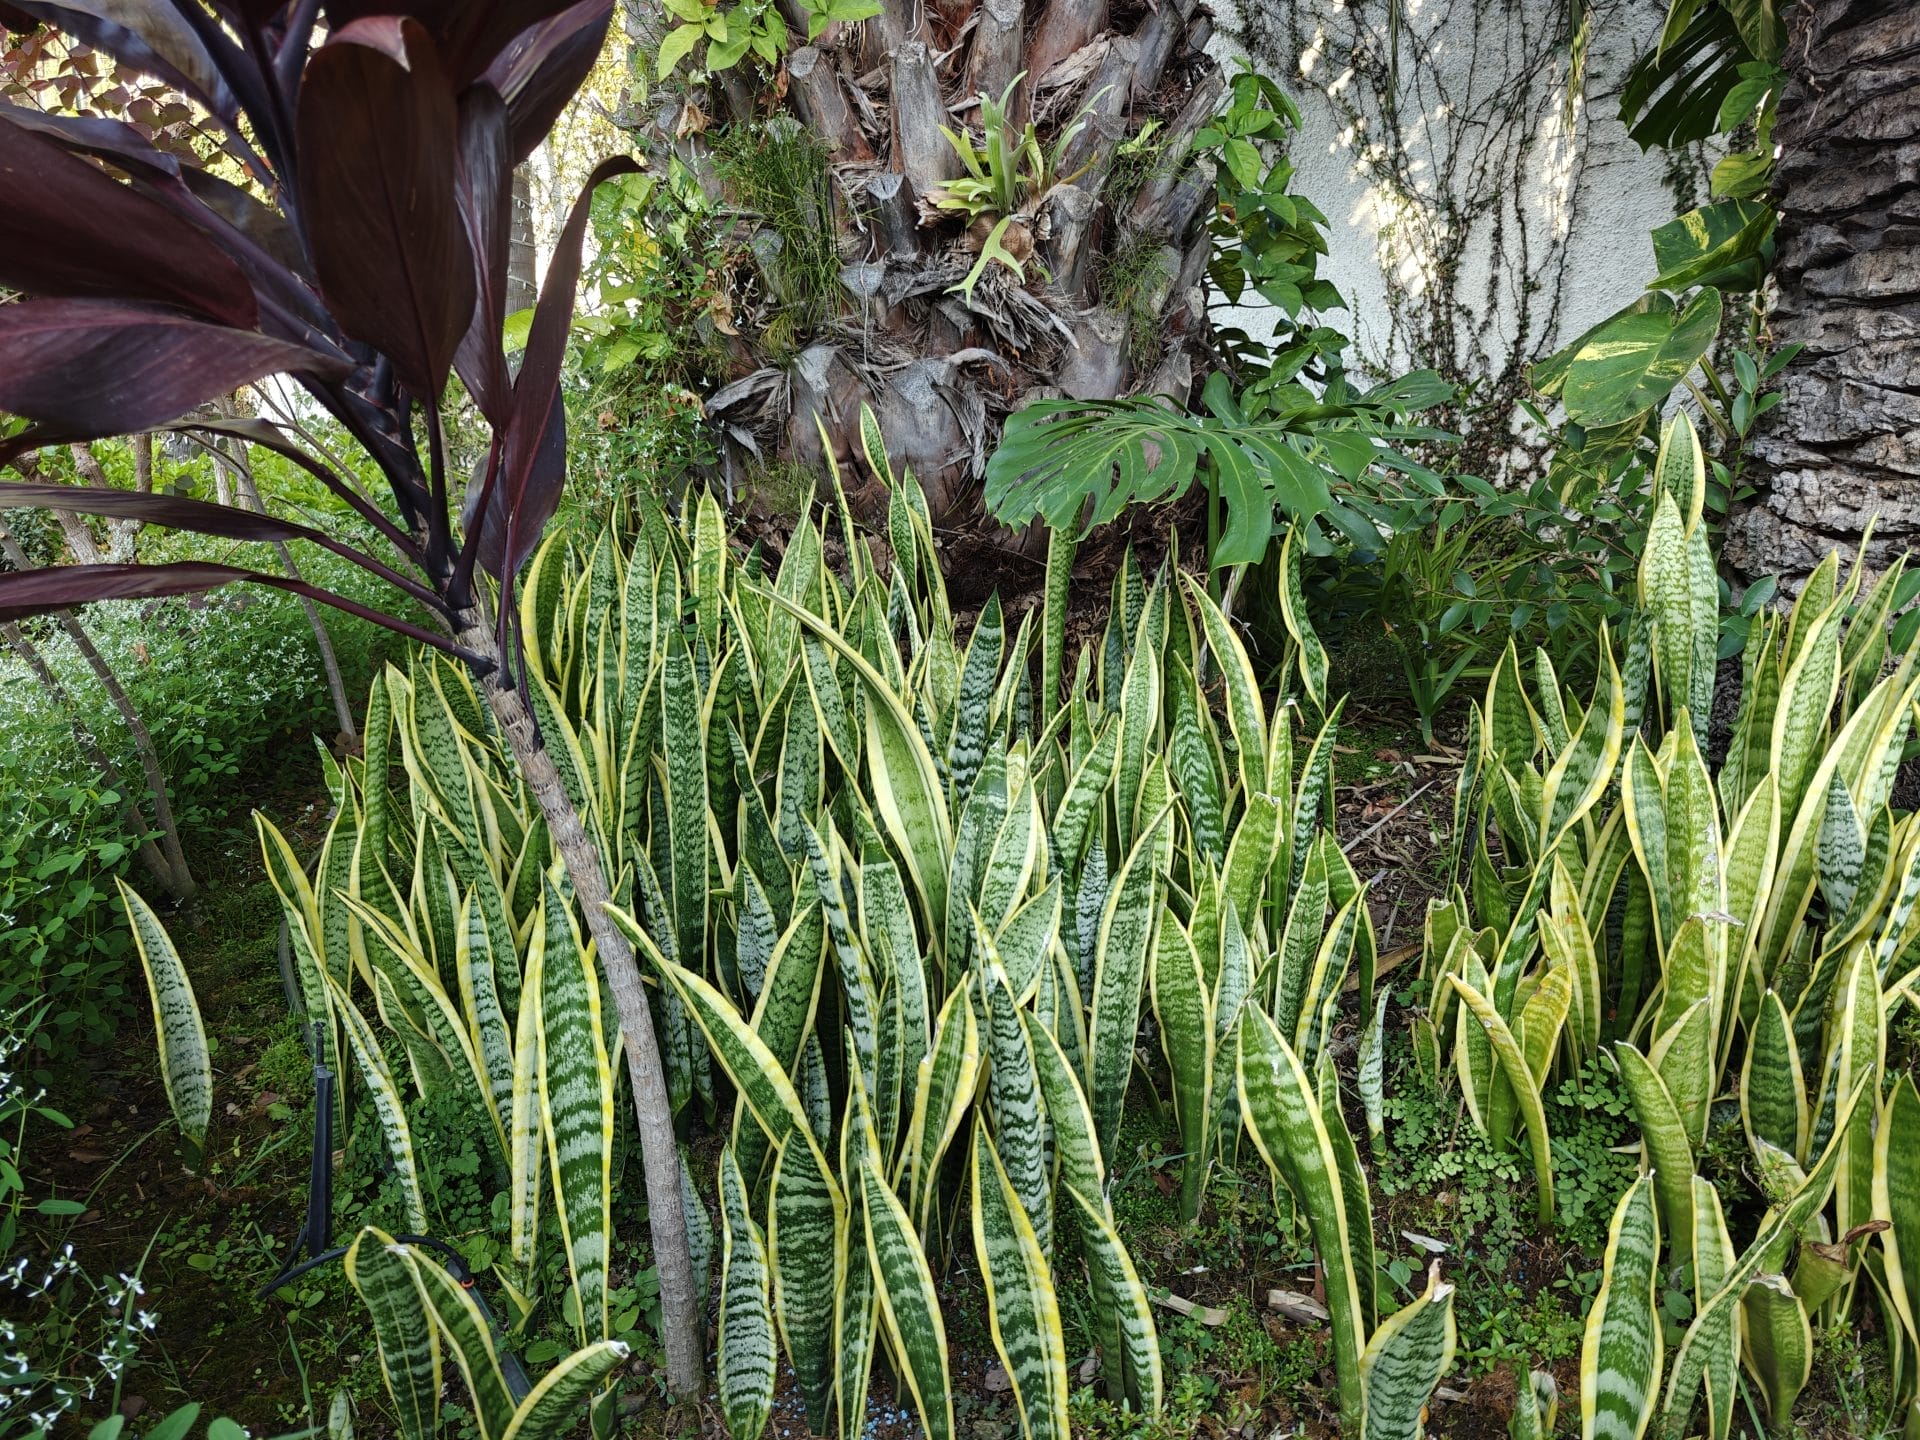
[
  {"x": 682, "y": 1324},
  {"x": 941, "y": 368},
  {"x": 1843, "y": 446},
  {"x": 522, "y": 260}
]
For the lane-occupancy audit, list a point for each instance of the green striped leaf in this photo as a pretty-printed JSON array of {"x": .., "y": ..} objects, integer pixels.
[
  {"x": 526, "y": 1134},
  {"x": 1283, "y": 1114},
  {"x": 1896, "y": 1191},
  {"x": 1131, "y": 1314},
  {"x": 746, "y": 1351},
  {"x": 408, "y": 1340},
  {"x": 469, "y": 1339},
  {"x": 387, "y": 1105},
  {"x": 1183, "y": 1008},
  {"x": 805, "y": 1213},
  {"x": 968, "y": 744},
  {"x": 1246, "y": 716},
  {"x": 1074, "y": 1142},
  {"x": 1126, "y": 930},
  {"x": 186, "y": 1065},
  {"x": 1773, "y": 1098},
  {"x": 1073, "y": 818},
  {"x": 909, "y": 1302},
  {"x": 1526, "y": 1092},
  {"x": 1311, "y": 654},
  {"x": 1778, "y": 1343},
  {"x": 1664, "y": 1134},
  {"x": 1536, "y": 1409},
  {"x": 1013, "y": 1091},
  {"x": 943, "y": 1088},
  {"x": 1022, "y": 1310},
  {"x": 1622, "y": 1355},
  {"x": 1405, "y": 1360},
  {"x": 576, "y": 1105},
  {"x": 554, "y": 1406}
]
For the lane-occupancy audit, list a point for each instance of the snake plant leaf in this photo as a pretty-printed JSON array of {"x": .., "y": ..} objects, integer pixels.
[
  {"x": 186, "y": 1065},
  {"x": 1773, "y": 1098},
  {"x": 909, "y": 1301},
  {"x": 967, "y": 746},
  {"x": 576, "y": 1104},
  {"x": 1185, "y": 1012},
  {"x": 387, "y": 1104},
  {"x": 1778, "y": 1343},
  {"x": 1896, "y": 1192},
  {"x": 408, "y": 1340},
  {"x": 527, "y": 1136},
  {"x": 1022, "y": 1310},
  {"x": 1519, "y": 1075},
  {"x": 806, "y": 1214},
  {"x": 1283, "y": 1114},
  {"x": 1126, "y": 932},
  {"x": 469, "y": 1339},
  {"x": 1013, "y": 1092},
  {"x": 1074, "y": 1143},
  {"x": 1073, "y": 818},
  {"x": 907, "y": 789},
  {"x": 1121, "y": 1290},
  {"x": 1246, "y": 715},
  {"x": 1664, "y": 1133},
  {"x": 943, "y": 1088},
  {"x": 1406, "y": 1358},
  {"x": 746, "y": 1349},
  {"x": 554, "y": 1406},
  {"x": 1622, "y": 1355},
  {"x": 1310, "y": 654},
  {"x": 1536, "y": 1409}
]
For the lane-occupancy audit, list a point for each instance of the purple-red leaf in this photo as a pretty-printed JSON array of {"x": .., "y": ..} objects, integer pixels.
[
  {"x": 88, "y": 368},
  {"x": 378, "y": 141},
  {"x": 470, "y": 33},
  {"x": 151, "y": 36},
  {"x": 534, "y": 468},
  {"x": 67, "y": 228},
  {"x": 27, "y": 593},
  {"x": 484, "y": 185},
  {"x": 543, "y": 67},
  {"x": 176, "y": 512}
]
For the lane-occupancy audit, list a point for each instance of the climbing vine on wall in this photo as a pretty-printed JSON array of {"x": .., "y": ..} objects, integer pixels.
[{"x": 1480, "y": 166}]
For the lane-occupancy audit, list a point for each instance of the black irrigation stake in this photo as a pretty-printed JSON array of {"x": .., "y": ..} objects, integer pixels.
[{"x": 316, "y": 1230}]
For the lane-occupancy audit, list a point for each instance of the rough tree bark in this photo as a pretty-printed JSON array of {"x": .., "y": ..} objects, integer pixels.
[
  {"x": 1843, "y": 447},
  {"x": 1113, "y": 240},
  {"x": 684, "y": 1330}
]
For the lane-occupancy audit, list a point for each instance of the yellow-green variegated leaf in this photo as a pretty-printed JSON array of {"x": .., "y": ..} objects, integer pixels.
[
  {"x": 408, "y": 1340},
  {"x": 1293, "y": 609},
  {"x": 1778, "y": 1343},
  {"x": 1132, "y": 1316},
  {"x": 186, "y": 1065},
  {"x": 1773, "y": 1095},
  {"x": 1536, "y": 1410},
  {"x": 387, "y": 1104},
  {"x": 1246, "y": 716},
  {"x": 555, "y": 1406},
  {"x": 1074, "y": 1142},
  {"x": 806, "y": 1214},
  {"x": 1526, "y": 1092},
  {"x": 1183, "y": 1008},
  {"x": 1406, "y": 1358},
  {"x": 469, "y": 1339},
  {"x": 1896, "y": 1191},
  {"x": 1664, "y": 1133},
  {"x": 1713, "y": 1258},
  {"x": 746, "y": 1350},
  {"x": 943, "y": 1088},
  {"x": 1622, "y": 1355},
  {"x": 1283, "y": 1114},
  {"x": 1022, "y": 1311},
  {"x": 908, "y": 1301},
  {"x": 1125, "y": 935},
  {"x": 1013, "y": 1091},
  {"x": 576, "y": 1105},
  {"x": 526, "y": 1133}
]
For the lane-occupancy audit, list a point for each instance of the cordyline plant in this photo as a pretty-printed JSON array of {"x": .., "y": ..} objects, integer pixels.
[{"x": 365, "y": 254}]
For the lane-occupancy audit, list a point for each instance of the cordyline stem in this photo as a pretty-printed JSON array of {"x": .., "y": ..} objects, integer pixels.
[{"x": 683, "y": 1327}]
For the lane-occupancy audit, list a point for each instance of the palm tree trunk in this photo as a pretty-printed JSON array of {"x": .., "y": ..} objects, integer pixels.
[
  {"x": 1109, "y": 242},
  {"x": 682, "y": 1324},
  {"x": 1844, "y": 445}
]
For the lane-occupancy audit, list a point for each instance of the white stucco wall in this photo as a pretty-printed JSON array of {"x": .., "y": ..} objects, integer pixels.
[{"x": 1585, "y": 197}]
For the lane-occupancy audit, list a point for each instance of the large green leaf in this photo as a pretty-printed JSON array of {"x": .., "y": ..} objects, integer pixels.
[
  {"x": 1718, "y": 245},
  {"x": 1632, "y": 362}
]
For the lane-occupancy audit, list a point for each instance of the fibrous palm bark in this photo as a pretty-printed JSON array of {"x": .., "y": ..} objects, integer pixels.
[
  {"x": 1112, "y": 239},
  {"x": 1844, "y": 446}
]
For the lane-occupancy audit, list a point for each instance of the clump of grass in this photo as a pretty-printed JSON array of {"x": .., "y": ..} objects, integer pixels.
[
  {"x": 778, "y": 172},
  {"x": 1128, "y": 278}
]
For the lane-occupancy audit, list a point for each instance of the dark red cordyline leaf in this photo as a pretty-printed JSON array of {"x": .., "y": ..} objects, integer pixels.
[
  {"x": 176, "y": 512},
  {"x": 535, "y": 463},
  {"x": 469, "y": 33},
  {"x": 87, "y": 368},
  {"x": 484, "y": 186},
  {"x": 543, "y": 67},
  {"x": 27, "y": 593},
  {"x": 150, "y": 36},
  {"x": 67, "y": 228},
  {"x": 377, "y": 143}
]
